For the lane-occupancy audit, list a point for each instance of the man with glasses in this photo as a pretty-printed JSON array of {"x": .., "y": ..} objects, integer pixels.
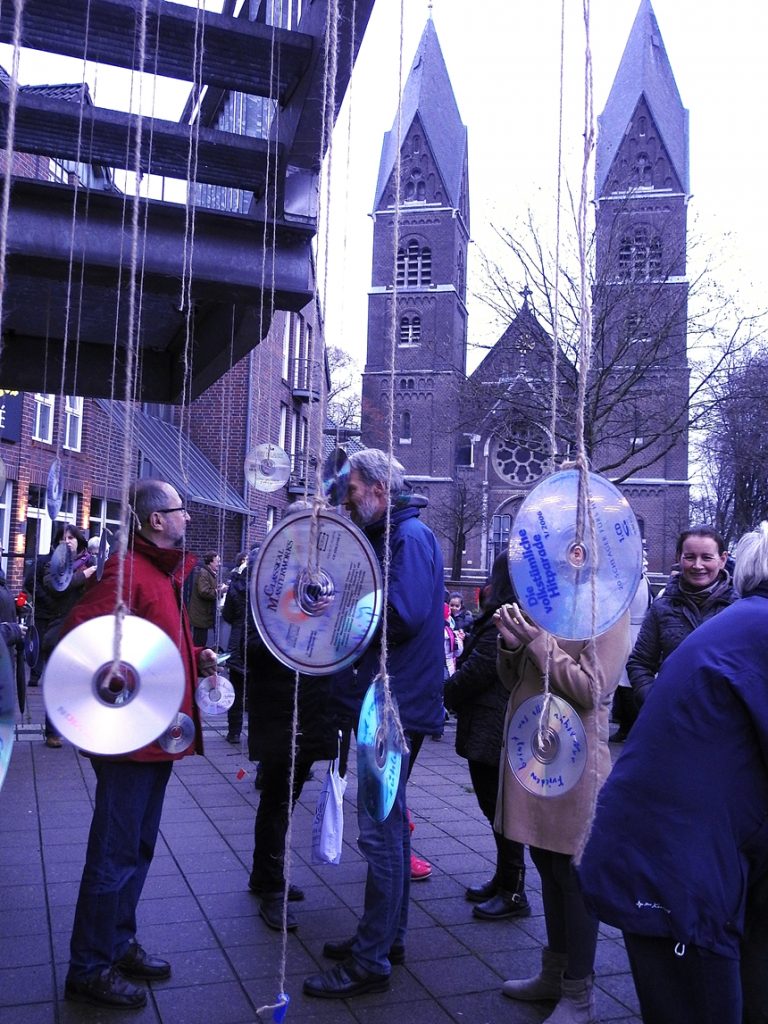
[{"x": 105, "y": 956}]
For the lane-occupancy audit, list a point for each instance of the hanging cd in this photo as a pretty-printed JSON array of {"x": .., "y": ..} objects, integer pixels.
[
  {"x": 215, "y": 695},
  {"x": 567, "y": 585},
  {"x": 60, "y": 571},
  {"x": 7, "y": 709},
  {"x": 336, "y": 470},
  {"x": 31, "y": 645},
  {"x": 317, "y": 609},
  {"x": 7, "y": 730},
  {"x": 378, "y": 754},
  {"x": 101, "y": 557},
  {"x": 267, "y": 467},
  {"x": 550, "y": 760},
  {"x": 54, "y": 492},
  {"x": 179, "y": 735},
  {"x": 21, "y": 676},
  {"x": 113, "y": 709}
]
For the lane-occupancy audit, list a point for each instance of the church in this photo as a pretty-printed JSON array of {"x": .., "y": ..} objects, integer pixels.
[{"x": 476, "y": 443}]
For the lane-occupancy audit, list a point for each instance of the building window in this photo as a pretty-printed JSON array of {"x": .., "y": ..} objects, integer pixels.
[
  {"x": 287, "y": 331},
  {"x": 405, "y": 428},
  {"x": 640, "y": 257},
  {"x": 414, "y": 266},
  {"x": 283, "y": 437},
  {"x": 465, "y": 451},
  {"x": 271, "y": 512},
  {"x": 500, "y": 527},
  {"x": 43, "y": 428},
  {"x": 105, "y": 515},
  {"x": 410, "y": 330},
  {"x": 6, "y": 498},
  {"x": 73, "y": 426}
]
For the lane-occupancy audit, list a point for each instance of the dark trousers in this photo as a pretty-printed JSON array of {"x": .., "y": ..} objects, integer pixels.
[
  {"x": 510, "y": 856},
  {"x": 571, "y": 928},
  {"x": 267, "y": 874},
  {"x": 690, "y": 986},
  {"x": 754, "y": 953},
  {"x": 121, "y": 844},
  {"x": 235, "y": 713}
]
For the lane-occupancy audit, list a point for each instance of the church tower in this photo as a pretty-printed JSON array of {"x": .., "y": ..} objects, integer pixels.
[
  {"x": 425, "y": 281},
  {"x": 641, "y": 291}
]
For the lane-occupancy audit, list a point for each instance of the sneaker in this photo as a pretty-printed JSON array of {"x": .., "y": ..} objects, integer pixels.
[
  {"x": 53, "y": 741},
  {"x": 420, "y": 869},
  {"x": 233, "y": 737},
  {"x": 106, "y": 988}
]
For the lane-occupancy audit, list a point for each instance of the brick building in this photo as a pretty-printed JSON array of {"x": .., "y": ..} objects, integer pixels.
[{"x": 477, "y": 444}]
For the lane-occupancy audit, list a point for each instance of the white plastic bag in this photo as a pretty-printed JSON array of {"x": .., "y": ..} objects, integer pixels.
[{"x": 328, "y": 826}]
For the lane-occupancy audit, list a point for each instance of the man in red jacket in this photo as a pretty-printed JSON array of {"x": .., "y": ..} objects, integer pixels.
[{"x": 104, "y": 952}]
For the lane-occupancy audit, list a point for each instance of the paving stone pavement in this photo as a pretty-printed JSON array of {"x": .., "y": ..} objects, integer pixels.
[{"x": 197, "y": 910}]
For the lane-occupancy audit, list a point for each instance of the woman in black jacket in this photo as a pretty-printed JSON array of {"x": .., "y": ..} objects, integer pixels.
[{"x": 479, "y": 699}]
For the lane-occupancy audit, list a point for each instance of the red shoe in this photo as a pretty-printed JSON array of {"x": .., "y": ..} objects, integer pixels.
[{"x": 420, "y": 869}]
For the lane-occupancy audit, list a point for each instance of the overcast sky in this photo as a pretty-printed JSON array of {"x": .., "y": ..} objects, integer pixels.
[{"x": 503, "y": 58}]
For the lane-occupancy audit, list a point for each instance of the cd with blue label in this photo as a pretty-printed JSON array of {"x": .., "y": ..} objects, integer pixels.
[
  {"x": 60, "y": 571},
  {"x": 32, "y": 645},
  {"x": 316, "y": 592},
  {"x": 546, "y": 746},
  {"x": 336, "y": 472},
  {"x": 379, "y": 758},
  {"x": 575, "y": 587}
]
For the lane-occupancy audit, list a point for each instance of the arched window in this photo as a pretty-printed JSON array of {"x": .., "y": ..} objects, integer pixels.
[
  {"x": 414, "y": 266},
  {"x": 640, "y": 256},
  {"x": 405, "y": 428},
  {"x": 410, "y": 330}
]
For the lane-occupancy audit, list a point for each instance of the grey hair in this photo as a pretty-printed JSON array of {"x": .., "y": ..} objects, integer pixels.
[
  {"x": 373, "y": 466},
  {"x": 147, "y": 496},
  {"x": 751, "y": 557}
]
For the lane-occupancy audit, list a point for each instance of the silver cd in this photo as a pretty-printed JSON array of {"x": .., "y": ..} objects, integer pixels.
[
  {"x": 336, "y": 471},
  {"x": 60, "y": 569},
  {"x": 179, "y": 735},
  {"x": 101, "y": 558},
  {"x": 54, "y": 491},
  {"x": 567, "y": 586},
  {"x": 316, "y": 595},
  {"x": 113, "y": 712},
  {"x": 379, "y": 759},
  {"x": 267, "y": 467},
  {"x": 7, "y": 731},
  {"x": 215, "y": 695},
  {"x": 547, "y": 755}
]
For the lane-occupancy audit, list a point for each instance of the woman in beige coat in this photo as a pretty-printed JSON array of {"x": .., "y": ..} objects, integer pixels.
[{"x": 585, "y": 673}]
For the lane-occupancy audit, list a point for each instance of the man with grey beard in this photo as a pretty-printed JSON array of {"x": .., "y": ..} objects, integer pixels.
[{"x": 415, "y": 670}]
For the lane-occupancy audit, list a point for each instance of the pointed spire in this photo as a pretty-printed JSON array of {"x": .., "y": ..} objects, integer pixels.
[
  {"x": 428, "y": 93},
  {"x": 644, "y": 70}
]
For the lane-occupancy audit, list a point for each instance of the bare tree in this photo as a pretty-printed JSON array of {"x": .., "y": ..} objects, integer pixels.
[
  {"x": 456, "y": 517},
  {"x": 344, "y": 392},
  {"x": 733, "y": 453},
  {"x": 641, "y": 396}
]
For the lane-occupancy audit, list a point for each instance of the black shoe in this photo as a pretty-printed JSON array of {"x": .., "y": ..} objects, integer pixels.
[
  {"x": 271, "y": 912},
  {"x": 106, "y": 988},
  {"x": 344, "y": 981},
  {"x": 484, "y": 891},
  {"x": 341, "y": 949},
  {"x": 295, "y": 894},
  {"x": 503, "y": 905},
  {"x": 233, "y": 737},
  {"x": 136, "y": 962}
]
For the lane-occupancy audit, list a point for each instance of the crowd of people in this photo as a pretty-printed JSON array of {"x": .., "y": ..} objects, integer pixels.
[{"x": 670, "y": 845}]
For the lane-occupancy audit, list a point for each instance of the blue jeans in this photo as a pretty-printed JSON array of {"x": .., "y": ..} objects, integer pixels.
[
  {"x": 121, "y": 843},
  {"x": 386, "y": 845}
]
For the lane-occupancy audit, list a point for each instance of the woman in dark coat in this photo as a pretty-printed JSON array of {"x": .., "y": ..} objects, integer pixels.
[{"x": 479, "y": 699}]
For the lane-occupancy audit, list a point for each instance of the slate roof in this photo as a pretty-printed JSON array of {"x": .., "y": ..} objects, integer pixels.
[
  {"x": 428, "y": 92},
  {"x": 644, "y": 70}
]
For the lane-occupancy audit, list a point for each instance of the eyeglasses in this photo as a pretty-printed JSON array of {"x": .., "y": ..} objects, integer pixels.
[{"x": 167, "y": 510}]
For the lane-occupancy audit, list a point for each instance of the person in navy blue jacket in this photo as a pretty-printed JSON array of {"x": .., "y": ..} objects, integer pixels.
[
  {"x": 682, "y": 823},
  {"x": 415, "y": 668}
]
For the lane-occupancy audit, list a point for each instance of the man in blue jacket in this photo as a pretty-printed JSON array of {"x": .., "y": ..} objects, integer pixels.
[
  {"x": 415, "y": 669},
  {"x": 682, "y": 822}
]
